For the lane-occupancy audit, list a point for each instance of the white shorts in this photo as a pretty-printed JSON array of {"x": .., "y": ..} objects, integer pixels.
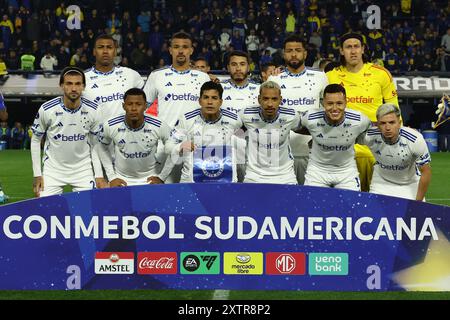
[
  {"x": 346, "y": 179},
  {"x": 54, "y": 184},
  {"x": 251, "y": 177},
  {"x": 387, "y": 188}
]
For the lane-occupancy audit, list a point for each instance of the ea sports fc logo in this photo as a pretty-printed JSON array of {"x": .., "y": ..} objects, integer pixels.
[{"x": 212, "y": 167}]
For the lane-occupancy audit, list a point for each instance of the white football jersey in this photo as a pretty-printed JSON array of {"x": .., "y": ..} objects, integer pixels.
[
  {"x": 193, "y": 127},
  {"x": 398, "y": 162},
  {"x": 134, "y": 149},
  {"x": 269, "y": 156},
  {"x": 302, "y": 92},
  {"x": 236, "y": 98},
  {"x": 107, "y": 89},
  {"x": 332, "y": 147},
  {"x": 67, "y": 149},
  {"x": 177, "y": 92}
]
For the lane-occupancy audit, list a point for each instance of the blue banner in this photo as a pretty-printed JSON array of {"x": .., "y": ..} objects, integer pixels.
[{"x": 224, "y": 236}]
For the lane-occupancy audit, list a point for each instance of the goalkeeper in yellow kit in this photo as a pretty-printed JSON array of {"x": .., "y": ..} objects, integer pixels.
[{"x": 368, "y": 86}]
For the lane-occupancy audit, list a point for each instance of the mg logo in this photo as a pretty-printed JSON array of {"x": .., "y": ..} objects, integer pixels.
[{"x": 285, "y": 263}]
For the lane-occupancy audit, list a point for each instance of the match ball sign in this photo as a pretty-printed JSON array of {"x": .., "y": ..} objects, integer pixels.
[
  {"x": 285, "y": 263},
  {"x": 114, "y": 263},
  {"x": 243, "y": 263}
]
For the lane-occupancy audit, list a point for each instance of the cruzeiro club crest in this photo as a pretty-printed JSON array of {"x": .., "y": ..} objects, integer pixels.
[{"x": 212, "y": 166}]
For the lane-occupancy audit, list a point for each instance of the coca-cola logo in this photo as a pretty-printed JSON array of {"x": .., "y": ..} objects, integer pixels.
[
  {"x": 161, "y": 263},
  {"x": 157, "y": 263}
]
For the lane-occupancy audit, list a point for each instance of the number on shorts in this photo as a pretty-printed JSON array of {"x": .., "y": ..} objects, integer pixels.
[{"x": 357, "y": 183}]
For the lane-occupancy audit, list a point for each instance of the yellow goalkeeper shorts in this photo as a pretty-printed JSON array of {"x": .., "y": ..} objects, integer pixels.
[{"x": 365, "y": 162}]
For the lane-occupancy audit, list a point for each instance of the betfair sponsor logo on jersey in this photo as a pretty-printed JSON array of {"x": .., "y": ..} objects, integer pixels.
[
  {"x": 74, "y": 137},
  {"x": 113, "y": 97},
  {"x": 200, "y": 263},
  {"x": 360, "y": 99},
  {"x": 114, "y": 263},
  {"x": 181, "y": 97},
  {"x": 299, "y": 102},
  {"x": 243, "y": 263},
  {"x": 328, "y": 264}
]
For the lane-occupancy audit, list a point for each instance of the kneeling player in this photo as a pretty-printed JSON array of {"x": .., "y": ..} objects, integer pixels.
[
  {"x": 203, "y": 138},
  {"x": 268, "y": 127},
  {"x": 70, "y": 125},
  {"x": 399, "y": 152},
  {"x": 334, "y": 132},
  {"x": 135, "y": 139}
]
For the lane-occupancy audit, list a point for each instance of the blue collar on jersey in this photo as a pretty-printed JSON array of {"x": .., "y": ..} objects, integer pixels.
[
  {"x": 102, "y": 73},
  {"x": 179, "y": 72},
  {"x": 333, "y": 124},
  {"x": 269, "y": 121},
  {"x": 214, "y": 121},
  {"x": 238, "y": 87},
  {"x": 295, "y": 74},
  {"x": 67, "y": 109},
  {"x": 132, "y": 129}
]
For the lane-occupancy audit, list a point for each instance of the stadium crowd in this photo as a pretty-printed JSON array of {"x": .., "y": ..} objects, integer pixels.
[{"x": 414, "y": 35}]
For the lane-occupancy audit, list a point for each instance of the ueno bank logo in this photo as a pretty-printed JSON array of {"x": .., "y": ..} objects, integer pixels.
[{"x": 157, "y": 263}]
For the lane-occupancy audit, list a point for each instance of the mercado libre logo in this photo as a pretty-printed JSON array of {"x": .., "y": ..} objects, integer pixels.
[
  {"x": 243, "y": 263},
  {"x": 200, "y": 263}
]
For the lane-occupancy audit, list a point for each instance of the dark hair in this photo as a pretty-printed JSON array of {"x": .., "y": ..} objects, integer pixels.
[
  {"x": 294, "y": 38},
  {"x": 182, "y": 35},
  {"x": 71, "y": 71},
  {"x": 134, "y": 92},
  {"x": 357, "y": 36},
  {"x": 238, "y": 53},
  {"x": 334, "y": 88},
  {"x": 330, "y": 66},
  {"x": 202, "y": 59},
  {"x": 105, "y": 36},
  {"x": 211, "y": 85},
  {"x": 265, "y": 66}
]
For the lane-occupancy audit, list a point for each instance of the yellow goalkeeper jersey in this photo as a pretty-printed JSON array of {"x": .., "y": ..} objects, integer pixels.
[{"x": 366, "y": 89}]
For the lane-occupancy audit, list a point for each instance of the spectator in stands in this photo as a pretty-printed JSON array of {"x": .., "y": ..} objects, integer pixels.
[
  {"x": 113, "y": 22},
  {"x": 392, "y": 61},
  {"x": 143, "y": 21},
  {"x": 237, "y": 41},
  {"x": 5, "y": 132},
  {"x": 224, "y": 40},
  {"x": 442, "y": 61},
  {"x": 17, "y": 136},
  {"x": 156, "y": 39},
  {"x": 290, "y": 22},
  {"x": 27, "y": 62},
  {"x": 252, "y": 42},
  {"x": 265, "y": 58},
  {"x": 7, "y": 29},
  {"x": 138, "y": 56},
  {"x": 445, "y": 42},
  {"x": 316, "y": 40},
  {"x": 48, "y": 62}
]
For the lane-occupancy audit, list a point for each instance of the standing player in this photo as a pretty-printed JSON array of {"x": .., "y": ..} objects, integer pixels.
[
  {"x": 135, "y": 139},
  {"x": 202, "y": 132},
  {"x": 106, "y": 84},
  {"x": 401, "y": 153},
  {"x": 334, "y": 132},
  {"x": 176, "y": 86},
  {"x": 239, "y": 93},
  {"x": 70, "y": 125},
  {"x": 201, "y": 64},
  {"x": 301, "y": 88},
  {"x": 367, "y": 86},
  {"x": 268, "y": 127}
]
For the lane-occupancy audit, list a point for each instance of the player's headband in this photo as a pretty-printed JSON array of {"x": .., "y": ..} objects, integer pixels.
[{"x": 351, "y": 35}]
